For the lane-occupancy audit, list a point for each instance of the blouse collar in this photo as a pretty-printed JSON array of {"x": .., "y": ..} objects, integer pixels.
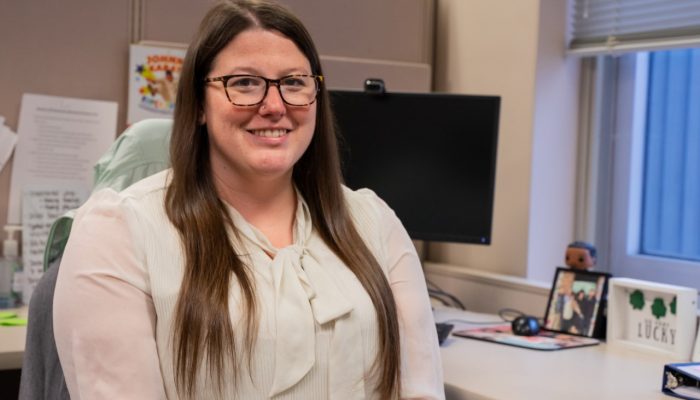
[{"x": 306, "y": 295}]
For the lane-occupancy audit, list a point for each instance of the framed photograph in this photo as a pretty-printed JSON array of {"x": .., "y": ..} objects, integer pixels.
[
  {"x": 653, "y": 317},
  {"x": 696, "y": 348},
  {"x": 577, "y": 303}
]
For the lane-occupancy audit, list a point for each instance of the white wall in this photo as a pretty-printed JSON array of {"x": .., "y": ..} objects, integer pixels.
[
  {"x": 554, "y": 136},
  {"x": 486, "y": 292},
  {"x": 515, "y": 49}
]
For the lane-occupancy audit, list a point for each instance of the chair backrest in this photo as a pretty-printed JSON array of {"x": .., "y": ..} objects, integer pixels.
[{"x": 142, "y": 150}]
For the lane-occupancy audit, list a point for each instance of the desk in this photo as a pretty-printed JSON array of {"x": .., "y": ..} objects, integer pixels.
[
  {"x": 12, "y": 339},
  {"x": 480, "y": 370},
  {"x": 489, "y": 371}
]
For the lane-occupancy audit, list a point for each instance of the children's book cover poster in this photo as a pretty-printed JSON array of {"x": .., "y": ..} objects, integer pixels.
[{"x": 154, "y": 71}]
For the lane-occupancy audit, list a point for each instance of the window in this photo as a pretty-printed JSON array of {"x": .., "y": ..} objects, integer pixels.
[
  {"x": 639, "y": 161},
  {"x": 671, "y": 177},
  {"x": 654, "y": 224}
]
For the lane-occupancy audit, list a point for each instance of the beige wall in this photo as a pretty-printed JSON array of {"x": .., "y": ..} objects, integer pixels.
[
  {"x": 490, "y": 47},
  {"x": 48, "y": 48},
  {"x": 498, "y": 47},
  {"x": 515, "y": 49},
  {"x": 79, "y": 48}
]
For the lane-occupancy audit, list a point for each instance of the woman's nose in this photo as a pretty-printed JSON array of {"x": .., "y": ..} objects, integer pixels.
[{"x": 273, "y": 103}]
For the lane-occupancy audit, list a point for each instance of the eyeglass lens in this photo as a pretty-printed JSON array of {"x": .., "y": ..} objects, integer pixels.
[{"x": 250, "y": 90}]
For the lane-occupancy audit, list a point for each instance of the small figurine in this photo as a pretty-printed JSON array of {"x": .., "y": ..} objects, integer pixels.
[{"x": 580, "y": 255}]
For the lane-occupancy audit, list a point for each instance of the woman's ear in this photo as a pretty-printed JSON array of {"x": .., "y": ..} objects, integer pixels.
[{"x": 202, "y": 117}]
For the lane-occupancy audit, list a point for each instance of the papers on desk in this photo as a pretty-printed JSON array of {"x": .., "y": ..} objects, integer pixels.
[
  {"x": 545, "y": 340},
  {"x": 682, "y": 380}
]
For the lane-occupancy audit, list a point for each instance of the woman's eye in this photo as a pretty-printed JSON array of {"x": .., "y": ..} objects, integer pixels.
[
  {"x": 294, "y": 82},
  {"x": 246, "y": 82}
]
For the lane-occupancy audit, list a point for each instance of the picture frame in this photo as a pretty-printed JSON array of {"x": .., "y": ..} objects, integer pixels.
[
  {"x": 577, "y": 303},
  {"x": 652, "y": 317},
  {"x": 695, "y": 356}
]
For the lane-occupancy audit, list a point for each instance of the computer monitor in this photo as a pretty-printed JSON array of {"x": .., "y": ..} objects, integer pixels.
[{"x": 431, "y": 157}]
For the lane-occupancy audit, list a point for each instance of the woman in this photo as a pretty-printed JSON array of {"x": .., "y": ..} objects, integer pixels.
[{"x": 246, "y": 270}]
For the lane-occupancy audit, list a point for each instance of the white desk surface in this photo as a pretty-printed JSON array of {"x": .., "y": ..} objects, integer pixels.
[
  {"x": 488, "y": 371},
  {"x": 480, "y": 370},
  {"x": 12, "y": 339}
]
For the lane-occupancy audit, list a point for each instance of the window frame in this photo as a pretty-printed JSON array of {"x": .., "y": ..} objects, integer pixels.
[{"x": 630, "y": 89}]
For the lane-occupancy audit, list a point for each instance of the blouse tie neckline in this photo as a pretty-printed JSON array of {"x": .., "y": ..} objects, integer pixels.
[{"x": 306, "y": 295}]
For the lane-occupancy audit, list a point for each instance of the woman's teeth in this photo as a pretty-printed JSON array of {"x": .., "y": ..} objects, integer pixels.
[{"x": 271, "y": 133}]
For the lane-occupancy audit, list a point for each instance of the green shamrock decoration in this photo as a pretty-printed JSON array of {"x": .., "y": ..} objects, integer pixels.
[
  {"x": 673, "y": 305},
  {"x": 637, "y": 300},
  {"x": 658, "y": 308}
]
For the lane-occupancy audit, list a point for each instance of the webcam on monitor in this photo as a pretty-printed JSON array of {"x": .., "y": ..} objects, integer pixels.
[{"x": 375, "y": 86}]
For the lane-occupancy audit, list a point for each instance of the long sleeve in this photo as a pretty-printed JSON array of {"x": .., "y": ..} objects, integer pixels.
[
  {"x": 104, "y": 317},
  {"x": 421, "y": 372}
]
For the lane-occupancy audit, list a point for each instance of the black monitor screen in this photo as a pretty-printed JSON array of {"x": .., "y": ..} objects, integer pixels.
[{"x": 431, "y": 157}]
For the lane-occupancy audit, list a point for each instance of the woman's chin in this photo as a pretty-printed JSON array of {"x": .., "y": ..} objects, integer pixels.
[{"x": 279, "y": 170}]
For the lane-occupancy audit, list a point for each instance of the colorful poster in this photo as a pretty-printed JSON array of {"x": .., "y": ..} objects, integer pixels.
[{"x": 154, "y": 71}]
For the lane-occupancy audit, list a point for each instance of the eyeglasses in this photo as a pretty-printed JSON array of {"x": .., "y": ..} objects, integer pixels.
[{"x": 250, "y": 90}]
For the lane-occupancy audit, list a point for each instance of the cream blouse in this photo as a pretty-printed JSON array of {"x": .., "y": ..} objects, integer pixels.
[{"x": 119, "y": 280}]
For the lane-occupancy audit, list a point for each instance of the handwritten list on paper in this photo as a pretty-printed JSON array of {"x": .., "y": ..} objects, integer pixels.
[
  {"x": 40, "y": 208},
  {"x": 59, "y": 140}
]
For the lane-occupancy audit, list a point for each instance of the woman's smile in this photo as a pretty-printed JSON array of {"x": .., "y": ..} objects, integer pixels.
[{"x": 269, "y": 133}]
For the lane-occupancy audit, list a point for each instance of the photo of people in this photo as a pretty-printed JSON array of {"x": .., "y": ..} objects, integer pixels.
[{"x": 574, "y": 303}]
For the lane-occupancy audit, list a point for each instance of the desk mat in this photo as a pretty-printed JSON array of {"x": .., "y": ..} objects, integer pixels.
[{"x": 545, "y": 340}]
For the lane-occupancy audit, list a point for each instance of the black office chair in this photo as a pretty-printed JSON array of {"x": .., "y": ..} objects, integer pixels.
[{"x": 140, "y": 151}]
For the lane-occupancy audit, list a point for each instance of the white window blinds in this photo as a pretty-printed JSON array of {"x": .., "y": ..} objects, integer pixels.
[{"x": 617, "y": 26}]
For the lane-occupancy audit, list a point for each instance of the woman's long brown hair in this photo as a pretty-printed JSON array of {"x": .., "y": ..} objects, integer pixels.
[{"x": 203, "y": 329}]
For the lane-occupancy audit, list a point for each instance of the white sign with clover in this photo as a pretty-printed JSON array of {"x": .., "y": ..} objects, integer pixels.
[{"x": 652, "y": 317}]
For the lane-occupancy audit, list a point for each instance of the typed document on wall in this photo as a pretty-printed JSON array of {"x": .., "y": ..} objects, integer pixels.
[{"x": 59, "y": 140}]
